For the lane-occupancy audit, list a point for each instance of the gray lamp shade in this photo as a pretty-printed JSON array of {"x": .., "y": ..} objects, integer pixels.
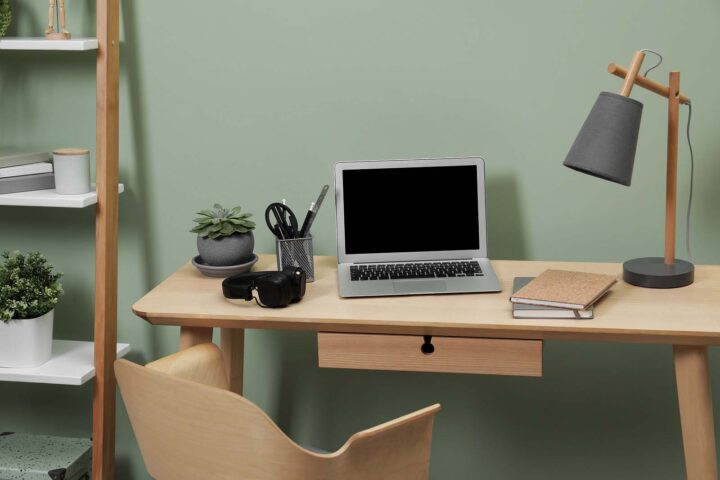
[{"x": 605, "y": 146}]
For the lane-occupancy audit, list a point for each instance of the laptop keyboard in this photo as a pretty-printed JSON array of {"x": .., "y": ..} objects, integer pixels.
[{"x": 398, "y": 271}]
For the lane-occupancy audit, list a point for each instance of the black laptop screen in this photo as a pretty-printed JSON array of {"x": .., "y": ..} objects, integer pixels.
[{"x": 421, "y": 209}]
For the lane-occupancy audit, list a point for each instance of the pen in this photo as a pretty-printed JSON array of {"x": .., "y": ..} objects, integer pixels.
[
  {"x": 306, "y": 222},
  {"x": 312, "y": 213}
]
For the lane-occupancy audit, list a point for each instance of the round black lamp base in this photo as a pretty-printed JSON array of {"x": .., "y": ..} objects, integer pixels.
[{"x": 651, "y": 272}]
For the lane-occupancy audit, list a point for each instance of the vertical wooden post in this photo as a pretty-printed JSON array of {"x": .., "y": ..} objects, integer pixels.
[
  {"x": 232, "y": 343},
  {"x": 106, "y": 229},
  {"x": 672, "y": 153}
]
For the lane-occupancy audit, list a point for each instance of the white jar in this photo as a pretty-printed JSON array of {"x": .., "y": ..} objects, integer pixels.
[{"x": 72, "y": 170}]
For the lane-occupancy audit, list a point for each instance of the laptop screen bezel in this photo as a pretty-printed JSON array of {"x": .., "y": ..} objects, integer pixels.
[{"x": 344, "y": 257}]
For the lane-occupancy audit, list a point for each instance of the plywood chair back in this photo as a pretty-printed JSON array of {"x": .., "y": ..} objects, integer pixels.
[
  {"x": 189, "y": 426},
  {"x": 201, "y": 363}
]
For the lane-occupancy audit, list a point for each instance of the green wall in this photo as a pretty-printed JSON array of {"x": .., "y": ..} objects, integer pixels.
[{"x": 245, "y": 102}]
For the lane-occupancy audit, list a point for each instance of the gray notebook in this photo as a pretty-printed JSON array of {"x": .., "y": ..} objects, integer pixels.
[
  {"x": 521, "y": 310},
  {"x": 11, "y": 157},
  {"x": 27, "y": 183}
]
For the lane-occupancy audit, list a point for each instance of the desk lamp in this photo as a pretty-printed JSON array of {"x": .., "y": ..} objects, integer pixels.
[{"x": 605, "y": 148}]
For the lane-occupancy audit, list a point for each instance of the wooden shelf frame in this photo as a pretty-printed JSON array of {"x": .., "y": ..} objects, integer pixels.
[
  {"x": 105, "y": 345},
  {"x": 106, "y": 236}
]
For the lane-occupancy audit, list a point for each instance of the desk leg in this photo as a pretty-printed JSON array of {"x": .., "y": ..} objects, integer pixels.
[
  {"x": 191, "y": 336},
  {"x": 232, "y": 344},
  {"x": 696, "y": 411}
]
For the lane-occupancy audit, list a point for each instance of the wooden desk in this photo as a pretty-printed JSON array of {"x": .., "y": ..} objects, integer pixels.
[{"x": 473, "y": 329}]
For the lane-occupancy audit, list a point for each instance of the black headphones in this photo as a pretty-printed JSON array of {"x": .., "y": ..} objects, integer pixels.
[{"x": 275, "y": 289}]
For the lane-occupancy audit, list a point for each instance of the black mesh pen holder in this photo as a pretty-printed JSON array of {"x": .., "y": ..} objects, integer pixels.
[{"x": 296, "y": 252}]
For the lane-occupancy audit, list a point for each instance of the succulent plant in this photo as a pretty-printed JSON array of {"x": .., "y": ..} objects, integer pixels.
[{"x": 222, "y": 222}]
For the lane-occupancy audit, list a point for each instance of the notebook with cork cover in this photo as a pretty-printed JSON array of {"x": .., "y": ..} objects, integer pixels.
[
  {"x": 564, "y": 289},
  {"x": 523, "y": 310}
]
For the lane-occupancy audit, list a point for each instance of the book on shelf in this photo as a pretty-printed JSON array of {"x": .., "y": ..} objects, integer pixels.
[
  {"x": 29, "y": 169},
  {"x": 564, "y": 289},
  {"x": 522, "y": 310},
  {"x": 27, "y": 183},
  {"x": 10, "y": 157}
]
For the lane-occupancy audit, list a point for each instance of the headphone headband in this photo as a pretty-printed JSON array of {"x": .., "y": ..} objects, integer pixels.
[{"x": 241, "y": 286}]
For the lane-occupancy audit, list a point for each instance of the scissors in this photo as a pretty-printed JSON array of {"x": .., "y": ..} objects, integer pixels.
[{"x": 286, "y": 225}]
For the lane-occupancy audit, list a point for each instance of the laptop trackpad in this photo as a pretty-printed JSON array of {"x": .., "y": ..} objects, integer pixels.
[{"x": 420, "y": 286}]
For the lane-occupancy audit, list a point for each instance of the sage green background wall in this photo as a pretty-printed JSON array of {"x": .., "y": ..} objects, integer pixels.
[{"x": 245, "y": 102}]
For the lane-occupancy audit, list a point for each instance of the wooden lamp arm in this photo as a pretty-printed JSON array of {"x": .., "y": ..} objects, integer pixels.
[
  {"x": 632, "y": 73},
  {"x": 645, "y": 82}
]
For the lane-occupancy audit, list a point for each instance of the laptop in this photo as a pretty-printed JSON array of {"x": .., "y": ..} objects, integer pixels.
[{"x": 411, "y": 227}]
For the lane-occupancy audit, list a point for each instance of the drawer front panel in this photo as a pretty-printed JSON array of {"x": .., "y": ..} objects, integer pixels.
[{"x": 447, "y": 354}]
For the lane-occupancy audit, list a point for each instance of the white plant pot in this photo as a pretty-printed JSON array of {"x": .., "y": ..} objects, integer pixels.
[{"x": 26, "y": 343}]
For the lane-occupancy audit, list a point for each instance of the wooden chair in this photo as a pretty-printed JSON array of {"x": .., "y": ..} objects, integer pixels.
[{"x": 189, "y": 426}]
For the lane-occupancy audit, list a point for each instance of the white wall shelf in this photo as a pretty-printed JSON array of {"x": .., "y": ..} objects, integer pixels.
[
  {"x": 71, "y": 364},
  {"x": 49, "y": 198},
  {"x": 39, "y": 43}
]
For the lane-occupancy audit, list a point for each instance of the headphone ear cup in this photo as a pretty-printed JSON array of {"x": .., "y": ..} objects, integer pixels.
[
  {"x": 274, "y": 290},
  {"x": 298, "y": 280},
  {"x": 290, "y": 271}
]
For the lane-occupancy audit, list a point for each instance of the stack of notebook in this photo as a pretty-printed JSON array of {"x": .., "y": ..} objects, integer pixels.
[
  {"x": 24, "y": 172},
  {"x": 559, "y": 294}
]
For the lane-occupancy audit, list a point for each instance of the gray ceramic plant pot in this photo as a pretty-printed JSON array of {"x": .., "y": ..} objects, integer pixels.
[{"x": 224, "y": 251}]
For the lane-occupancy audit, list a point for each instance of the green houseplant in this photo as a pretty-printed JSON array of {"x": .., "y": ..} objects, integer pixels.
[
  {"x": 29, "y": 290},
  {"x": 224, "y": 236},
  {"x": 5, "y": 17}
]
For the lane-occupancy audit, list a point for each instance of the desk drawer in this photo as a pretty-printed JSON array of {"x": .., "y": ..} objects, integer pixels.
[{"x": 443, "y": 354}]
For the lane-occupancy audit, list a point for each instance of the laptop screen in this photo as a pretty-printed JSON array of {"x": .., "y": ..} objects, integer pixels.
[{"x": 417, "y": 209}]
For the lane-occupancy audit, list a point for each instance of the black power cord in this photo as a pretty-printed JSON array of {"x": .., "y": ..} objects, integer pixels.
[{"x": 692, "y": 177}]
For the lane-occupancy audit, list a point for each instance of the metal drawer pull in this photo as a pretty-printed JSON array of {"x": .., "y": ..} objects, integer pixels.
[{"x": 427, "y": 348}]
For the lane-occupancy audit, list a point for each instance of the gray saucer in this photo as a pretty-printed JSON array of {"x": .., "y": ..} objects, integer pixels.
[{"x": 222, "y": 272}]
